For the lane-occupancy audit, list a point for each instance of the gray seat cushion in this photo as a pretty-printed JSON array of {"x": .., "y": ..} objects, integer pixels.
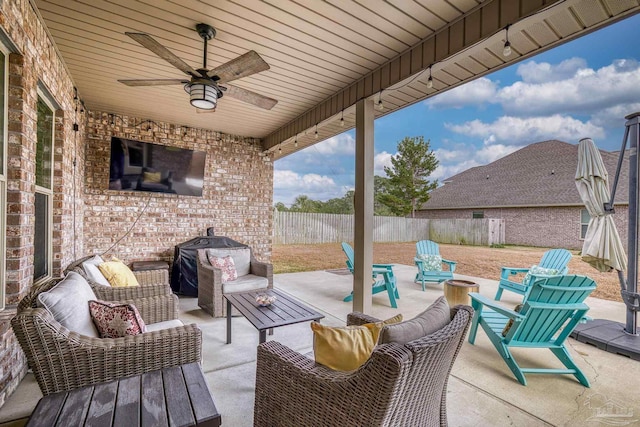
[
  {"x": 167, "y": 324},
  {"x": 68, "y": 303},
  {"x": 245, "y": 283},
  {"x": 435, "y": 317}
]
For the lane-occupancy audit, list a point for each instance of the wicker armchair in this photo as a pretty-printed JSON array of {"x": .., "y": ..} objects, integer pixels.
[
  {"x": 64, "y": 360},
  {"x": 152, "y": 283},
  {"x": 211, "y": 288},
  {"x": 400, "y": 385}
]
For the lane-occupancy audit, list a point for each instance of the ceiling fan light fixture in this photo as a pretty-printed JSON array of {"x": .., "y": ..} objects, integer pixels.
[{"x": 203, "y": 96}]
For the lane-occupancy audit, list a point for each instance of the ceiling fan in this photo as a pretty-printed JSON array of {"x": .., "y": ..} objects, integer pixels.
[{"x": 206, "y": 87}]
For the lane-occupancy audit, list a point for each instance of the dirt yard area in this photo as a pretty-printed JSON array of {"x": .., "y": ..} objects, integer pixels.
[{"x": 472, "y": 261}]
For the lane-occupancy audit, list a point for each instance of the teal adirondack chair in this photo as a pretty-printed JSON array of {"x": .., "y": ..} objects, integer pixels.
[
  {"x": 550, "y": 312},
  {"x": 387, "y": 283},
  {"x": 554, "y": 259},
  {"x": 429, "y": 265}
]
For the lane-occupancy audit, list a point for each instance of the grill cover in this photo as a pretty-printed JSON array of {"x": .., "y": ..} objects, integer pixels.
[{"x": 184, "y": 274}]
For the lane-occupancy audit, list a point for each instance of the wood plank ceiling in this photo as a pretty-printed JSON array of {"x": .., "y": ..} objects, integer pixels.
[{"x": 324, "y": 55}]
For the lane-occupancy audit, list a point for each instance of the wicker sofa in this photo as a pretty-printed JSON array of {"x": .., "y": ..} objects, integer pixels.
[
  {"x": 399, "y": 385},
  {"x": 152, "y": 283},
  {"x": 256, "y": 275},
  {"x": 64, "y": 360}
]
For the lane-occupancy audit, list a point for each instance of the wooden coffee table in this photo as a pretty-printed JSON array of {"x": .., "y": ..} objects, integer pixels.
[
  {"x": 286, "y": 310},
  {"x": 173, "y": 396}
]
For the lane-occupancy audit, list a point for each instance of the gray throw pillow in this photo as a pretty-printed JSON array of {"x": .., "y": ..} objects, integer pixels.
[
  {"x": 68, "y": 303},
  {"x": 435, "y": 317}
]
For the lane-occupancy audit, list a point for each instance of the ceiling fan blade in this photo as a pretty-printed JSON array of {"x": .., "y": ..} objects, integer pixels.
[
  {"x": 243, "y": 66},
  {"x": 150, "y": 43},
  {"x": 153, "y": 82},
  {"x": 250, "y": 97}
]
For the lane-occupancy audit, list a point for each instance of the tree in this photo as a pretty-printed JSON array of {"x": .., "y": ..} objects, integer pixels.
[
  {"x": 338, "y": 205},
  {"x": 380, "y": 188},
  {"x": 303, "y": 203},
  {"x": 407, "y": 187},
  {"x": 281, "y": 207}
]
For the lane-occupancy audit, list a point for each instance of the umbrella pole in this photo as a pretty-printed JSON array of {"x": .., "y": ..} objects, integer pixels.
[{"x": 630, "y": 295}]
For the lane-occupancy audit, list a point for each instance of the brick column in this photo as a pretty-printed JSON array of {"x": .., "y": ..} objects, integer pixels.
[{"x": 20, "y": 179}]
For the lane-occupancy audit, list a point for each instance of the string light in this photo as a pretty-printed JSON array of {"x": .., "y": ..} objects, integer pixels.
[
  {"x": 316, "y": 134},
  {"x": 279, "y": 149},
  {"x": 506, "y": 51},
  {"x": 379, "y": 105},
  {"x": 295, "y": 143},
  {"x": 430, "y": 79},
  {"x": 342, "y": 119}
]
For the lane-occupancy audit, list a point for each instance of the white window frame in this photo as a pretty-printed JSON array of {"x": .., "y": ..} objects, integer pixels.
[
  {"x": 42, "y": 95},
  {"x": 3, "y": 177},
  {"x": 583, "y": 223}
]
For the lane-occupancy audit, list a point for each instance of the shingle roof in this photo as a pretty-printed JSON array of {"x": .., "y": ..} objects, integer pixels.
[{"x": 540, "y": 174}]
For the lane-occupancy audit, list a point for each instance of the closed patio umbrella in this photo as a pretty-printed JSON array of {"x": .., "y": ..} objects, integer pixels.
[{"x": 602, "y": 246}]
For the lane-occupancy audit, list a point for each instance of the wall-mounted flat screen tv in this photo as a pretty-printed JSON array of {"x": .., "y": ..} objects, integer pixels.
[{"x": 143, "y": 166}]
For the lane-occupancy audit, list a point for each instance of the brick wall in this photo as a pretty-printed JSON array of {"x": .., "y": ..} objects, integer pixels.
[
  {"x": 543, "y": 227},
  {"x": 236, "y": 200},
  {"x": 89, "y": 218},
  {"x": 33, "y": 64}
]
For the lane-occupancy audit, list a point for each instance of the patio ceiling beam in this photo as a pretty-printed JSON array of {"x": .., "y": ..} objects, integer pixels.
[{"x": 478, "y": 24}]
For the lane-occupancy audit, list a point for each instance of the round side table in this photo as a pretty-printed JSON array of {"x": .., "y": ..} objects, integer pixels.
[{"x": 457, "y": 291}]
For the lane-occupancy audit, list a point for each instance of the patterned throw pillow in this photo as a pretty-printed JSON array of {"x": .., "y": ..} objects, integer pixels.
[
  {"x": 227, "y": 266},
  {"x": 431, "y": 262},
  {"x": 540, "y": 271},
  {"x": 116, "y": 320}
]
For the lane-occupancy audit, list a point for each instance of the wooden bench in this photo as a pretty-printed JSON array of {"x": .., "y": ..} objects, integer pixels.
[{"x": 173, "y": 396}]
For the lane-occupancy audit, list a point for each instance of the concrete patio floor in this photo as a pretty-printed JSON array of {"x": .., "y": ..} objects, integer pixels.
[{"x": 482, "y": 391}]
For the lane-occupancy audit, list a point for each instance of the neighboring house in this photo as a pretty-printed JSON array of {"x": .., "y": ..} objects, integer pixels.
[{"x": 534, "y": 191}]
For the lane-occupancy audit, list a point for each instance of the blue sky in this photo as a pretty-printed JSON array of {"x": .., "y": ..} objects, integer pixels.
[{"x": 581, "y": 89}]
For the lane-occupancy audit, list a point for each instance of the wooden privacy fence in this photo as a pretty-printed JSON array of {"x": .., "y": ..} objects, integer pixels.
[
  {"x": 468, "y": 231},
  {"x": 302, "y": 228}
]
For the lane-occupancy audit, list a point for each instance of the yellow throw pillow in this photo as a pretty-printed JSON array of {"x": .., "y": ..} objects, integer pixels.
[
  {"x": 346, "y": 348},
  {"x": 118, "y": 274},
  {"x": 153, "y": 177}
]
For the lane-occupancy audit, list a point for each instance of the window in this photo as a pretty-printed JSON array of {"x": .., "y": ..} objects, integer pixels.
[
  {"x": 477, "y": 214},
  {"x": 584, "y": 222},
  {"x": 42, "y": 259},
  {"x": 3, "y": 160}
]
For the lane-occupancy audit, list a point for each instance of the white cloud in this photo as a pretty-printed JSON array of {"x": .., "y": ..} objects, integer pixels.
[
  {"x": 287, "y": 185},
  {"x": 520, "y": 131},
  {"x": 540, "y": 72},
  {"x": 339, "y": 144},
  {"x": 380, "y": 161},
  {"x": 466, "y": 156},
  {"x": 445, "y": 171},
  {"x": 614, "y": 116},
  {"x": 587, "y": 91},
  {"x": 475, "y": 92}
]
